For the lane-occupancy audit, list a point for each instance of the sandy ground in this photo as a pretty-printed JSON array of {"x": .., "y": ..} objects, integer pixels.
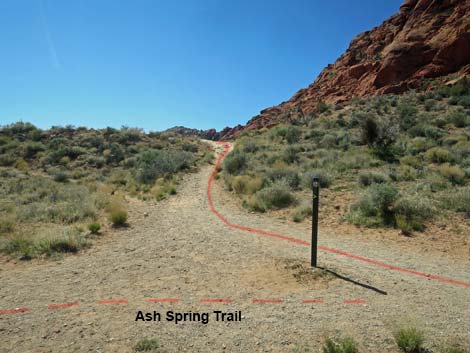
[{"x": 179, "y": 249}]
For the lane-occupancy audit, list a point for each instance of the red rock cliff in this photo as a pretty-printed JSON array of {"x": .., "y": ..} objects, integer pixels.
[{"x": 426, "y": 39}]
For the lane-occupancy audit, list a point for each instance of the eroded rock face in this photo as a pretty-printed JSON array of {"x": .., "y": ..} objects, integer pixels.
[{"x": 426, "y": 39}]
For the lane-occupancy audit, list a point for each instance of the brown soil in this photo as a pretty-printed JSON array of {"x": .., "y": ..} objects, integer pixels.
[{"x": 182, "y": 250}]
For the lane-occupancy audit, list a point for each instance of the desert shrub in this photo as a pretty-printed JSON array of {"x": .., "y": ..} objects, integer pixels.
[
  {"x": 244, "y": 184},
  {"x": 61, "y": 177},
  {"x": 65, "y": 243},
  {"x": 403, "y": 173},
  {"x": 453, "y": 100},
  {"x": 426, "y": 130},
  {"x": 407, "y": 112},
  {"x": 345, "y": 345},
  {"x": 277, "y": 195},
  {"x": 411, "y": 211},
  {"x": 289, "y": 176},
  {"x": 249, "y": 146},
  {"x": 328, "y": 141},
  {"x": 429, "y": 104},
  {"x": 464, "y": 101},
  {"x": 375, "y": 207},
  {"x": 324, "y": 178},
  {"x": 7, "y": 160},
  {"x": 153, "y": 164},
  {"x": 21, "y": 164},
  {"x": 190, "y": 147},
  {"x": 411, "y": 161},
  {"x": 40, "y": 199},
  {"x": 322, "y": 107},
  {"x": 458, "y": 200},
  {"x": 23, "y": 248},
  {"x": 7, "y": 224},
  {"x": 32, "y": 148},
  {"x": 380, "y": 133},
  {"x": 290, "y": 154},
  {"x": 409, "y": 339},
  {"x": 94, "y": 228},
  {"x": 293, "y": 134},
  {"x": 438, "y": 155},
  {"x": 117, "y": 214},
  {"x": 367, "y": 178},
  {"x": 301, "y": 212},
  {"x": 418, "y": 145},
  {"x": 459, "y": 119},
  {"x": 452, "y": 172},
  {"x": 148, "y": 345},
  {"x": 235, "y": 162}
]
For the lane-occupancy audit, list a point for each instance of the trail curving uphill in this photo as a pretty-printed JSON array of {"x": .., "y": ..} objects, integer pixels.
[{"x": 221, "y": 157}]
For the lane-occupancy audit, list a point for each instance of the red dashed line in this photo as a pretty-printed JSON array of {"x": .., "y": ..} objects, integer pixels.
[
  {"x": 267, "y": 301},
  {"x": 163, "y": 300},
  {"x": 306, "y": 243},
  {"x": 113, "y": 301},
  {"x": 216, "y": 300},
  {"x": 63, "y": 305},
  {"x": 13, "y": 311},
  {"x": 313, "y": 301},
  {"x": 354, "y": 301}
]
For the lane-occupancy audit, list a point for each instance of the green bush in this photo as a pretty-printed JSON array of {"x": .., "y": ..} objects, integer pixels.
[
  {"x": 148, "y": 345},
  {"x": 276, "y": 196},
  {"x": 367, "y": 178},
  {"x": 235, "y": 162},
  {"x": 94, "y": 228},
  {"x": 61, "y": 177},
  {"x": 458, "y": 200},
  {"x": 244, "y": 184},
  {"x": 375, "y": 207},
  {"x": 290, "y": 154},
  {"x": 345, "y": 345},
  {"x": 61, "y": 244},
  {"x": 325, "y": 179},
  {"x": 301, "y": 212},
  {"x": 293, "y": 134},
  {"x": 409, "y": 339},
  {"x": 117, "y": 214},
  {"x": 154, "y": 164},
  {"x": 453, "y": 173},
  {"x": 289, "y": 176},
  {"x": 21, "y": 247},
  {"x": 7, "y": 224},
  {"x": 459, "y": 119},
  {"x": 438, "y": 155},
  {"x": 464, "y": 101},
  {"x": 411, "y": 211}
]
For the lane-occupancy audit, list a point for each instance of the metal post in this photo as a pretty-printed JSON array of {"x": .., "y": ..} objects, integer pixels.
[{"x": 316, "y": 194}]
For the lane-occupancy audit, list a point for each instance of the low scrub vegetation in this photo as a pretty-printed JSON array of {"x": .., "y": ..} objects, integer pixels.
[
  {"x": 401, "y": 159},
  {"x": 56, "y": 184},
  {"x": 344, "y": 345},
  {"x": 409, "y": 340},
  {"x": 150, "y": 345}
]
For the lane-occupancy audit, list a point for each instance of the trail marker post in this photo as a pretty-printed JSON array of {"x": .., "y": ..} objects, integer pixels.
[{"x": 316, "y": 195}]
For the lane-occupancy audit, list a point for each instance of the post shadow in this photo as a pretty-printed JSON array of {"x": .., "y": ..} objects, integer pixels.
[{"x": 350, "y": 280}]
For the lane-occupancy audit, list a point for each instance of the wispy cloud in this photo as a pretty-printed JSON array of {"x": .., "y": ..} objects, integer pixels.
[{"x": 49, "y": 40}]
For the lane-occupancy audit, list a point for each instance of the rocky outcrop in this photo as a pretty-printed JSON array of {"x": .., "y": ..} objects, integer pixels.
[{"x": 426, "y": 39}]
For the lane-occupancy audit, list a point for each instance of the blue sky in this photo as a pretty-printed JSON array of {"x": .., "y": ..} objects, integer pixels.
[{"x": 156, "y": 64}]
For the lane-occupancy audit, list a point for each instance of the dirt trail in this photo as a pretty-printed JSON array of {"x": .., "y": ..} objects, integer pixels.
[{"x": 181, "y": 250}]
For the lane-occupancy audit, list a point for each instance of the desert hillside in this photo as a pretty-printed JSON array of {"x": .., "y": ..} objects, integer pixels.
[{"x": 426, "y": 39}]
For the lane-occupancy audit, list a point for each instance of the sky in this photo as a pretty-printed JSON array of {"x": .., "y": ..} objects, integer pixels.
[{"x": 156, "y": 64}]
